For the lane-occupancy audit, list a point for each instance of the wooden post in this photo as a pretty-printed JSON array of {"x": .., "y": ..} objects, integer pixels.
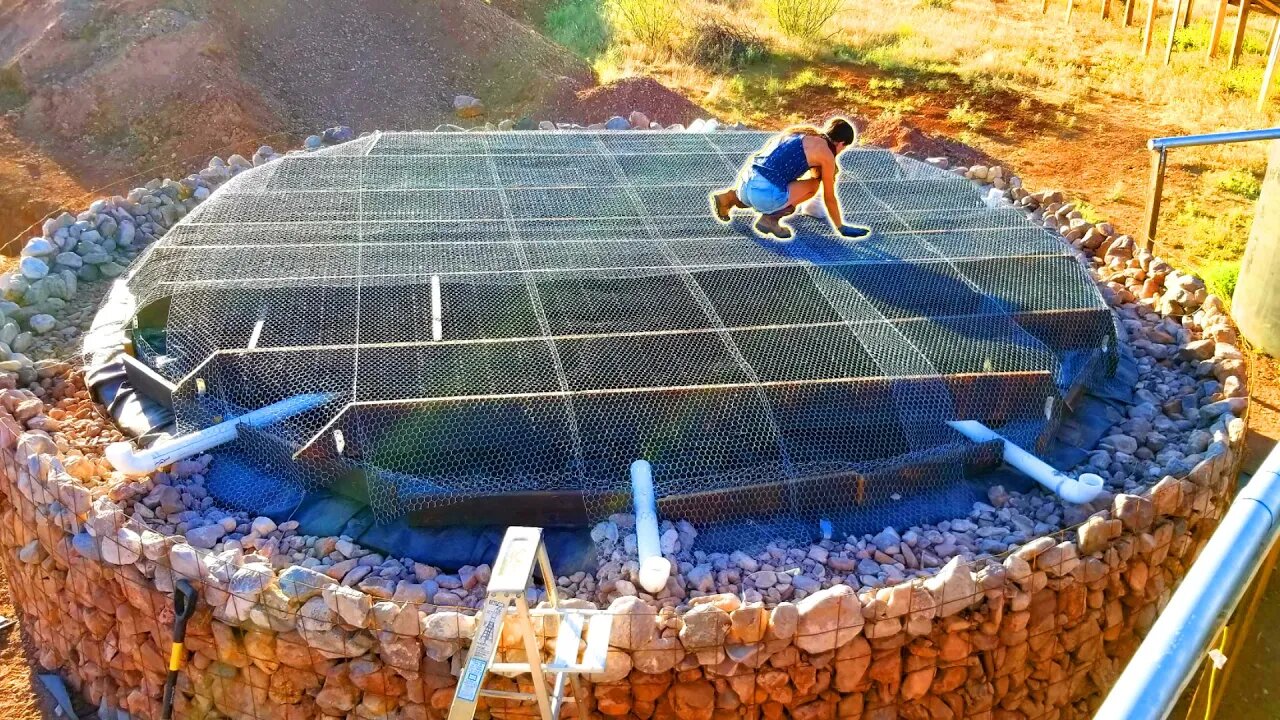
[
  {"x": 1237, "y": 42},
  {"x": 1215, "y": 35},
  {"x": 1151, "y": 21},
  {"x": 1071, "y": 5},
  {"x": 1269, "y": 73},
  {"x": 1173, "y": 30},
  {"x": 1186, "y": 20},
  {"x": 1128, "y": 12},
  {"x": 1044, "y": 8},
  {"x": 1158, "y": 158},
  {"x": 1106, "y": 9}
]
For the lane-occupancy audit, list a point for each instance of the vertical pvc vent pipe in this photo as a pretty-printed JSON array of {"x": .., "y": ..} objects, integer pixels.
[{"x": 654, "y": 569}]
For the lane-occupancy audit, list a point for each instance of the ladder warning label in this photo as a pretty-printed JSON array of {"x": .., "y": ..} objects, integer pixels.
[{"x": 472, "y": 676}]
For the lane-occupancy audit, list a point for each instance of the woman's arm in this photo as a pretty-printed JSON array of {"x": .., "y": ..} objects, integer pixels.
[{"x": 827, "y": 171}]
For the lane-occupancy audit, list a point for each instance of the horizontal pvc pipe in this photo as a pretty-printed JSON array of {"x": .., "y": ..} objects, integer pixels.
[
  {"x": 654, "y": 569},
  {"x": 125, "y": 458},
  {"x": 1219, "y": 138},
  {"x": 1074, "y": 490},
  {"x": 1163, "y": 666}
]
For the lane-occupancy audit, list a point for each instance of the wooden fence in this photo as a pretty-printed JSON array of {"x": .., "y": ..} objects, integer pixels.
[{"x": 1181, "y": 14}]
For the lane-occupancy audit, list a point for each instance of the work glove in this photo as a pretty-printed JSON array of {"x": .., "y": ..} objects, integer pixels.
[{"x": 854, "y": 231}]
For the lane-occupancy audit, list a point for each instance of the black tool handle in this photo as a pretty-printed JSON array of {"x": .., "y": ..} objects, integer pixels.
[{"x": 184, "y": 606}]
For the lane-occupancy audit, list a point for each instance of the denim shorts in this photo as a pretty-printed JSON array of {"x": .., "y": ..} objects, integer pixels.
[{"x": 757, "y": 191}]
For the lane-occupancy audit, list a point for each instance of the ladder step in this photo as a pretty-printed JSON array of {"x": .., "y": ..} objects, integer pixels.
[
  {"x": 568, "y": 639},
  {"x": 509, "y": 695},
  {"x": 511, "y": 669},
  {"x": 599, "y": 629}
]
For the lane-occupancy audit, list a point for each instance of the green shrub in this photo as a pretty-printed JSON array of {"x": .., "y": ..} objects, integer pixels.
[
  {"x": 13, "y": 92},
  {"x": 1089, "y": 212},
  {"x": 1240, "y": 182},
  {"x": 1220, "y": 278},
  {"x": 891, "y": 84},
  {"x": 802, "y": 19},
  {"x": 937, "y": 4},
  {"x": 721, "y": 46},
  {"x": 964, "y": 114},
  {"x": 1242, "y": 80},
  {"x": 656, "y": 24},
  {"x": 579, "y": 25}
]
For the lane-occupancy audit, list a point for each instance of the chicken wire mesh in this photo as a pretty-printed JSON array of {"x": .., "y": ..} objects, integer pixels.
[{"x": 513, "y": 318}]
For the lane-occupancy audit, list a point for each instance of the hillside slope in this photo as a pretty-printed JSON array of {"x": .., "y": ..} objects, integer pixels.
[{"x": 114, "y": 86}]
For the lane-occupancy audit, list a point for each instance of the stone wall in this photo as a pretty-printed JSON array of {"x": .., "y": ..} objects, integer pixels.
[{"x": 1039, "y": 633}]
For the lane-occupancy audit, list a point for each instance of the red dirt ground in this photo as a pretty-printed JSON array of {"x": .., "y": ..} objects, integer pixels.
[
  {"x": 19, "y": 698},
  {"x": 637, "y": 93}
]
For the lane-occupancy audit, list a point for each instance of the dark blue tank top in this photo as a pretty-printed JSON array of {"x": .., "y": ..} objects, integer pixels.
[{"x": 785, "y": 163}]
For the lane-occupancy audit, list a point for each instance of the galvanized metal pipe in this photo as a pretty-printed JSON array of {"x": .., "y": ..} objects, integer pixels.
[
  {"x": 1178, "y": 642},
  {"x": 1219, "y": 138}
]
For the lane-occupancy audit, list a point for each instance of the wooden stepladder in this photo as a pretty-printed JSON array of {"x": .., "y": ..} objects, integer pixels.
[{"x": 507, "y": 599}]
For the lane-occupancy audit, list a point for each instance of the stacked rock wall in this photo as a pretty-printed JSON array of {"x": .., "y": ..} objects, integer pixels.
[{"x": 1039, "y": 633}]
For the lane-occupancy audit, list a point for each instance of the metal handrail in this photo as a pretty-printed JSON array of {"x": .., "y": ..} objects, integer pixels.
[
  {"x": 1219, "y": 138},
  {"x": 1162, "y": 667},
  {"x": 1160, "y": 147}
]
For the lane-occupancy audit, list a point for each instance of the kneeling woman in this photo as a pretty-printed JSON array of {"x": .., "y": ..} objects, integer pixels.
[{"x": 788, "y": 170}]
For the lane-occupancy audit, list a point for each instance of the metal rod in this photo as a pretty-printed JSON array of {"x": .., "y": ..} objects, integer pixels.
[
  {"x": 1158, "y": 159},
  {"x": 1177, "y": 643},
  {"x": 1221, "y": 138}
]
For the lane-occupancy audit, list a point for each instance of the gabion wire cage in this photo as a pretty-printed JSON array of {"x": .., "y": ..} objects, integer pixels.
[{"x": 505, "y": 321}]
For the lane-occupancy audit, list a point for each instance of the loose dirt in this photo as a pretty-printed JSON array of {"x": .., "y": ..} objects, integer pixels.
[
  {"x": 31, "y": 184},
  {"x": 658, "y": 102},
  {"x": 20, "y": 699}
]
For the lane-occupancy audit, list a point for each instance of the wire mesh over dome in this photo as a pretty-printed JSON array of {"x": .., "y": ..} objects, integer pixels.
[{"x": 592, "y": 312}]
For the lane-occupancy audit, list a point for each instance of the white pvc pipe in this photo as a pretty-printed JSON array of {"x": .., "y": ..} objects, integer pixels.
[
  {"x": 1074, "y": 490},
  {"x": 654, "y": 569},
  {"x": 125, "y": 458},
  {"x": 437, "y": 312}
]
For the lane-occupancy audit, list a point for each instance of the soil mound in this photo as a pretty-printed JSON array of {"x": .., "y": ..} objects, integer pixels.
[
  {"x": 901, "y": 136},
  {"x": 112, "y": 87},
  {"x": 393, "y": 64},
  {"x": 657, "y": 101}
]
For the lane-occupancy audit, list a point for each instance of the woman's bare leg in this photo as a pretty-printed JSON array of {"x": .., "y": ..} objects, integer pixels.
[{"x": 801, "y": 190}]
